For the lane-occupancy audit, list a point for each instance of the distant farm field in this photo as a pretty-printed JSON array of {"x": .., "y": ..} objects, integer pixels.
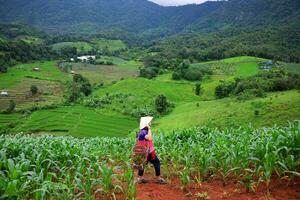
[
  {"x": 103, "y": 73},
  {"x": 80, "y": 46},
  {"x": 49, "y": 92},
  {"x": 18, "y": 80},
  {"x": 112, "y": 45},
  {"x": 293, "y": 67},
  {"x": 30, "y": 40},
  {"x": 77, "y": 121},
  {"x": 48, "y": 71},
  {"x": 112, "y": 59}
]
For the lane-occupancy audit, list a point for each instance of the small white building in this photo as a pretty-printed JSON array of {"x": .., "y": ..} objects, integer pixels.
[
  {"x": 4, "y": 93},
  {"x": 72, "y": 59},
  {"x": 86, "y": 58}
]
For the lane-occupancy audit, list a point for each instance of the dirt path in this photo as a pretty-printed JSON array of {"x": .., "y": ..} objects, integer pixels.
[
  {"x": 155, "y": 191},
  {"x": 215, "y": 190}
]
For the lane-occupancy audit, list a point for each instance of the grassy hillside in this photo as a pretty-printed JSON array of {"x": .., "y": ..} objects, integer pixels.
[
  {"x": 18, "y": 79},
  {"x": 112, "y": 59},
  {"x": 77, "y": 121},
  {"x": 191, "y": 110},
  {"x": 223, "y": 70},
  {"x": 48, "y": 71},
  {"x": 112, "y": 45},
  {"x": 80, "y": 46},
  {"x": 134, "y": 93},
  {"x": 146, "y": 90},
  {"x": 31, "y": 40},
  {"x": 8, "y": 120},
  {"x": 277, "y": 108},
  {"x": 292, "y": 67}
]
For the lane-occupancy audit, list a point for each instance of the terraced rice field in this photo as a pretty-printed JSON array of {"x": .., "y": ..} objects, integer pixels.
[
  {"x": 48, "y": 71},
  {"x": 78, "y": 121},
  {"x": 49, "y": 92},
  {"x": 5, "y": 120}
]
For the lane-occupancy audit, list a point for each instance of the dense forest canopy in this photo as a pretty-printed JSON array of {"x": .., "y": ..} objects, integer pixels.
[{"x": 142, "y": 16}]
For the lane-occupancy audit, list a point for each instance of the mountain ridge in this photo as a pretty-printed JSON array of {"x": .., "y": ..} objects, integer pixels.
[{"x": 139, "y": 16}]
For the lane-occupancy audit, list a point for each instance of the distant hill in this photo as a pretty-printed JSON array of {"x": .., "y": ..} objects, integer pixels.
[
  {"x": 14, "y": 31},
  {"x": 143, "y": 16},
  {"x": 212, "y": 30}
]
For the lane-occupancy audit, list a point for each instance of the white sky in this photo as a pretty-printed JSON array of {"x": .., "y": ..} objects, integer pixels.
[{"x": 176, "y": 2}]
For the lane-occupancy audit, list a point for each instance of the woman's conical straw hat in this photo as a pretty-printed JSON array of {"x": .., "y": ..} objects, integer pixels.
[{"x": 145, "y": 121}]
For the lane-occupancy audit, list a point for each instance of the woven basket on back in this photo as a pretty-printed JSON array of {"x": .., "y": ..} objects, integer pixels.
[{"x": 139, "y": 156}]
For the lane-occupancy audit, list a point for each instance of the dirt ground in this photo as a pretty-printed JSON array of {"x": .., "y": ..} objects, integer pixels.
[{"x": 280, "y": 189}]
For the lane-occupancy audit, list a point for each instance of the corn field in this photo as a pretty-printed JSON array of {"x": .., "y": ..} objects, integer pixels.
[{"x": 63, "y": 167}]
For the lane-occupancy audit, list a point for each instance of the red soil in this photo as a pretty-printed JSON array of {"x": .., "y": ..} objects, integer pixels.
[{"x": 279, "y": 190}]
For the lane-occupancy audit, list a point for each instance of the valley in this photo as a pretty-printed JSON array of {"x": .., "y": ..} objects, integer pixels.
[{"x": 79, "y": 80}]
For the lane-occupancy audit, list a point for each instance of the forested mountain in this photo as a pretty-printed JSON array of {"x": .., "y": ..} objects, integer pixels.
[
  {"x": 13, "y": 31},
  {"x": 212, "y": 30},
  {"x": 143, "y": 16}
]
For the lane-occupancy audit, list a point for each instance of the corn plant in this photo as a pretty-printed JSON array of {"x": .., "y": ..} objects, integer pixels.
[
  {"x": 64, "y": 167},
  {"x": 131, "y": 189}
]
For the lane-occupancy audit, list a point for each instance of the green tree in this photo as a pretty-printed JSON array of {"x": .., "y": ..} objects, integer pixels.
[
  {"x": 11, "y": 106},
  {"x": 80, "y": 86},
  {"x": 3, "y": 69},
  {"x": 176, "y": 75},
  {"x": 161, "y": 104},
  {"x": 106, "y": 51},
  {"x": 198, "y": 89},
  {"x": 34, "y": 90},
  {"x": 224, "y": 89},
  {"x": 86, "y": 88}
]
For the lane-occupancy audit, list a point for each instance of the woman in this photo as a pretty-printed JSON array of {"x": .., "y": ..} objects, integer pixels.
[{"x": 144, "y": 137}]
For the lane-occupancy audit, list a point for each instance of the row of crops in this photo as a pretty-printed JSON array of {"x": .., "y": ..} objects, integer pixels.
[
  {"x": 48, "y": 167},
  {"x": 78, "y": 121}
]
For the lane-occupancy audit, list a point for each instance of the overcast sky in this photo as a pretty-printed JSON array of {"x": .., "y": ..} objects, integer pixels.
[{"x": 176, "y": 2}]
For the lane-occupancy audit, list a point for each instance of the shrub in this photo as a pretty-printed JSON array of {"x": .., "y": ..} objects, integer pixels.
[
  {"x": 149, "y": 72},
  {"x": 95, "y": 101},
  {"x": 143, "y": 111},
  {"x": 251, "y": 93},
  {"x": 3, "y": 69},
  {"x": 11, "y": 106},
  {"x": 79, "y": 87},
  {"x": 176, "y": 75},
  {"x": 193, "y": 75},
  {"x": 197, "y": 89},
  {"x": 33, "y": 90},
  {"x": 224, "y": 89},
  {"x": 162, "y": 105}
]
